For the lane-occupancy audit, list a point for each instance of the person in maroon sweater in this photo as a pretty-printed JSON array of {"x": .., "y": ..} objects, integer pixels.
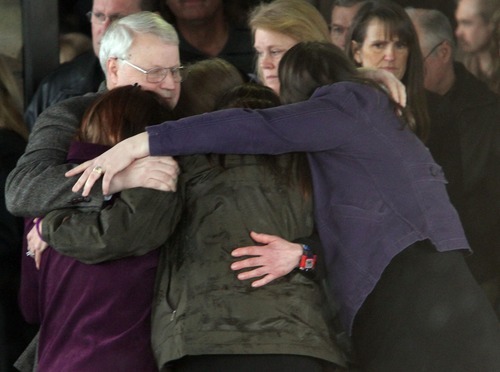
[{"x": 86, "y": 316}]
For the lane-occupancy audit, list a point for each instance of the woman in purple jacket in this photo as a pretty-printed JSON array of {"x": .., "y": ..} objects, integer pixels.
[
  {"x": 393, "y": 242},
  {"x": 97, "y": 317}
]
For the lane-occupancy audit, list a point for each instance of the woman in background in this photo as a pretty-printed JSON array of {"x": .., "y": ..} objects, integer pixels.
[{"x": 383, "y": 37}]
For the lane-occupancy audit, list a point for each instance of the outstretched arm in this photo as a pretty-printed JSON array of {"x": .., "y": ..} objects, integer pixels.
[{"x": 137, "y": 221}]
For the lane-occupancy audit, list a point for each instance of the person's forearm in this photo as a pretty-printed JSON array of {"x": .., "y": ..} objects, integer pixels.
[
  {"x": 37, "y": 185},
  {"x": 137, "y": 222}
]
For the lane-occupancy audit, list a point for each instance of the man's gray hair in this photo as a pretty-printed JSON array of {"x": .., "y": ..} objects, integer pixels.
[
  {"x": 435, "y": 26},
  {"x": 120, "y": 34}
]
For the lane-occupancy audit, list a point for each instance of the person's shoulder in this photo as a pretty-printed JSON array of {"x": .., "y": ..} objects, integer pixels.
[
  {"x": 72, "y": 69},
  {"x": 472, "y": 89},
  {"x": 74, "y": 104},
  {"x": 348, "y": 91}
]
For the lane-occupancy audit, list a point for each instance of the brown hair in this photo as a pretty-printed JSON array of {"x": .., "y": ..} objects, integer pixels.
[
  {"x": 204, "y": 82},
  {"x": 398, "y": 24},
  {"x": 121, "y": 113},
  {"x": 256, "y": 96}
]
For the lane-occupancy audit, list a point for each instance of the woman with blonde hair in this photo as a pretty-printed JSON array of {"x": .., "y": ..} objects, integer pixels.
[{"x": 277, "y": 27}]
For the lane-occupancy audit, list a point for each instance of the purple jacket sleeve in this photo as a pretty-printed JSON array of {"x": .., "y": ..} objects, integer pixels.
[{"x": 320, "y": 123}]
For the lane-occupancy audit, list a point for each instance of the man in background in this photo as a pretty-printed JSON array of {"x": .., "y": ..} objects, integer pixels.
[
  {"x": 474, "y": 32},
  {"x": 465, "y": 140},
  {"x": 343, "y": 13},
  {"x": 83, "y": 74}
]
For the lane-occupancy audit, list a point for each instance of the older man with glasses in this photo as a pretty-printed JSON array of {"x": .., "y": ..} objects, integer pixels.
[
  {"x": 138, "y": 49},
  {"x": 465, "y": 140},
  {"x": 83, "y": 74}
]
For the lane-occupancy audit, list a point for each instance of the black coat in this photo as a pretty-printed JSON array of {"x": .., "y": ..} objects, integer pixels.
[
  {"x": 465, "y": 141},
  {"x": 75, "y": 78}
]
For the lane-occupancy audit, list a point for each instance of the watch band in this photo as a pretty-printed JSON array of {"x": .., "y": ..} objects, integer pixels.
[{"x": 308, "y": 259}]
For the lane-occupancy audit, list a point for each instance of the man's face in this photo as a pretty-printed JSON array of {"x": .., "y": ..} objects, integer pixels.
[
  {"x": 147, "y": 52},
  {"x": 342, "y": 18},
  {"x": 194, "y": 10},
  {"x": 111, "y": 9},
  {"x": 434, "y": 64},
  {"x": 472, "y": 32}
]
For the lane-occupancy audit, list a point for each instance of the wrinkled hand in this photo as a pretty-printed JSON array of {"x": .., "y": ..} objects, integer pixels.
[
  {"x": 275, "y": 258},
  {"x": 392, "y": 84},
  {"x": 151, "y": 172},
  {"x": 36, "y": 245},
  {"x": 110, "y": 163}
]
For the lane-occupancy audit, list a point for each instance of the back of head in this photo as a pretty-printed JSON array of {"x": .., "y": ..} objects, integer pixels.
[
  {"x": 121, "y": 113},
  {"x": 10, "y": 102},
  {"x": 204, "y": 82},
  {"x": 295, "y": 18},
  {"x": 308, "y": 66},
  {"x": 119, "y": 36},
  {"x": 434, "y": 27},
  {"x": 248, "y": 95}
]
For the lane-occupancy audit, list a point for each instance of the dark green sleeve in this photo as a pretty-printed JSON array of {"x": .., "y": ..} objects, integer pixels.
[{"x": 137, "y": 221}]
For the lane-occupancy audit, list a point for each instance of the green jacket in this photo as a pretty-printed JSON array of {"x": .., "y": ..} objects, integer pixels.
[{"x": 201, "y": 307}]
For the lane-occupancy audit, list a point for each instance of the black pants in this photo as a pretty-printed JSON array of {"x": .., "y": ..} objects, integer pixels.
[
  {"x": 427, "y": 313},
  {"x": 251, "y": 363}
]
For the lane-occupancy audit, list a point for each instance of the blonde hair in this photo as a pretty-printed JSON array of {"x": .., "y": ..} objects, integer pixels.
[
  {"x": 10, "y": 102},
  {"x": 295, "y": 18}
]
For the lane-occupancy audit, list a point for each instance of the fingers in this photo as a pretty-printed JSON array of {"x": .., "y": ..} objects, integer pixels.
[
  {"x": 78, "y": 169},
  {"x": 399, "y": 92},
  {"x": 247, "y": 263},
  {"x": 263, "y": 281},
  {"x": 247, "y": 251}
]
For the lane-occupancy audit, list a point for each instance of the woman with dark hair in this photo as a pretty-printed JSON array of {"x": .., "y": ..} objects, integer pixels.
[
  {"x": 219, "y": 321},
  {"x": 97, "y": 317},
  {"x": 393, "y": 243},
  {"x": 383, "y": 37}
]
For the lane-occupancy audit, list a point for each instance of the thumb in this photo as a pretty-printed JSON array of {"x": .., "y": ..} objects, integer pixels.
[{"x": 262, "y": 238}]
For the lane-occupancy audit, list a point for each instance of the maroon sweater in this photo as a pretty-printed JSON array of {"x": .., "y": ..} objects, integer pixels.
[{"x": 92, "y": 317}]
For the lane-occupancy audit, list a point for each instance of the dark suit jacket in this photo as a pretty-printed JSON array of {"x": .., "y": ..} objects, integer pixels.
[{"x": 465, "y": 141}]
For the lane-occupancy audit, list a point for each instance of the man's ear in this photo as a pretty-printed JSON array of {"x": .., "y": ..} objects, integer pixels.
[
  {"x": 356, "y": 52},
  {"x": 112, "y": 66},
  {"x": 445, "y": 51}
]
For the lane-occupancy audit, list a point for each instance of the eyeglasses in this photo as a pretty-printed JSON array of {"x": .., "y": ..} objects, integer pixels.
[
  {"x": 101, "y": 18},
  {"x": 158, "y": 74},
  {"x": 433, "y": 50}
]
